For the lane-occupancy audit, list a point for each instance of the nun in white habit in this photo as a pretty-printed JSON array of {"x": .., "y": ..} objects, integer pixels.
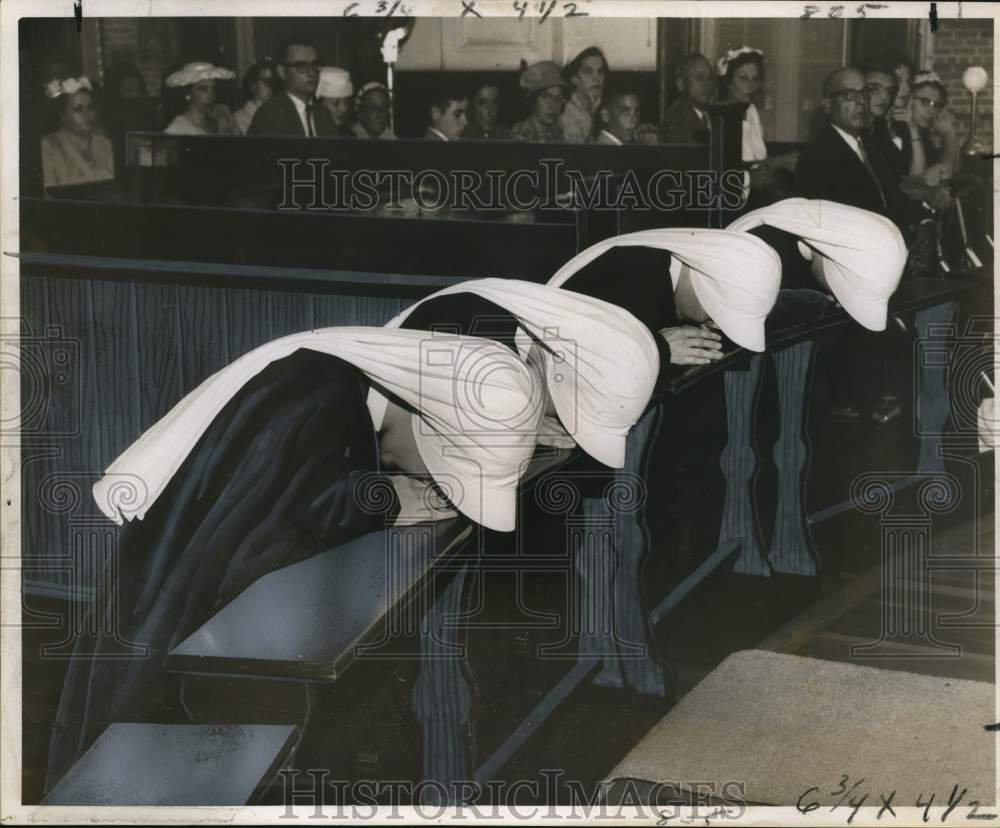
[
  {"x": 685, "y": 285},
  {"x": 276, "y": 458},
  {"x": 598, "y": 362}
]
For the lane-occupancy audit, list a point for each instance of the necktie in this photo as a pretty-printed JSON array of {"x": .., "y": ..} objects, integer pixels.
[
  {"x": 871, "y": 171},
  {"x": 311, "y": 131}
]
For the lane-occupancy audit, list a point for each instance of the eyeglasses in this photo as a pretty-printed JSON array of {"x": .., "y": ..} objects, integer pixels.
[
  {"x": 304, "y": 66},
  {"x": 933, "y": 104},
  {"x": 851, "y": 95}
]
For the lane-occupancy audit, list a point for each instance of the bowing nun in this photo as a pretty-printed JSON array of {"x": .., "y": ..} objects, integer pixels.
[
  {"x": 276, "y": 458},
  {"x": 685, "y": 286},
  {"x": 855, "y": 254},
  {"x": 598, "y": 362}
]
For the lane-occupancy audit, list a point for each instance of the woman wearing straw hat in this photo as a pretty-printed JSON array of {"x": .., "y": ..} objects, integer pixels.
[
  {"x": 545, "y": 94},
  {"x": 203, "y": 115},
  {"x": 277, "y": 458}
]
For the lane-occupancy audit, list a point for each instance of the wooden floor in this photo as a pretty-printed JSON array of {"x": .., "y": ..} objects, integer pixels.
[
  {"x": 820, "y": 618},
  {"x": 958, "y": 642}
]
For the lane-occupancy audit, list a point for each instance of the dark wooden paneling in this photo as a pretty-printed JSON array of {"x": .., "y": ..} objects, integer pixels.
[
  {"x": 158, "y": 350},
  {"x": 203, "y": 333}
]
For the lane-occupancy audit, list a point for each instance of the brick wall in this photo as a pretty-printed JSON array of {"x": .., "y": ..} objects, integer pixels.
[{"x": 955, "y": 46}]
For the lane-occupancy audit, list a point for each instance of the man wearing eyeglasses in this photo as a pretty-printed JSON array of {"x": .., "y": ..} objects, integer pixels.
[
  {"x": 295, "y": 112},
  {"x": 844, "y": 164},
  {"x": 890, "y": 136}
]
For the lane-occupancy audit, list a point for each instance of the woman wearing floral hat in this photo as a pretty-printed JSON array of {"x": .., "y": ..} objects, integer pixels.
[
  {"x": 203, "y": 115},
  {"x": 742, "y": 73},
  {"x": 74, "y": 153}
]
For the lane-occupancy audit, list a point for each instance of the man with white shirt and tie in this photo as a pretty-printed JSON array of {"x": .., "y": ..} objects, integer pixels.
[
  {"x": 295, "y": 111},
  {"x": 844, "y": 164}
]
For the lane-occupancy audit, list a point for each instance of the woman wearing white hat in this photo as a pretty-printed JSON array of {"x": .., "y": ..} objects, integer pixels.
[
  {"x": 276, "y": 458},
  {"x": 203, "y": 115},
  {"x": 336, "y": 92},
  {"x": 598, "y": 361},
  {"x": 684, "y": 285}
]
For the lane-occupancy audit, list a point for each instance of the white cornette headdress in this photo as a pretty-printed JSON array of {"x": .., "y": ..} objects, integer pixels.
[
  {"x": 476, "y": 416},
  {"x": 732, "y": 54},
  {"x": 600, "y": 362},
  {"x": 864, "y": 253},
  {"x": 67, "y": 86}
]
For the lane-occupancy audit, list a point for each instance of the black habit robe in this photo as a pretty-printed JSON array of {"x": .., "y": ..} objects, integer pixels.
[{"x": 271, "y": 482}]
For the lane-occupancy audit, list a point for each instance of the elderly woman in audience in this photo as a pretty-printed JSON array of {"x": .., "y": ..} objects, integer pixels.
[
  {"x": 258, "y": 87},
  {"x": 545, "y": 94},
  {"x": 587, "y": 73},
  {"x": 373, "y": 104},
  {"x": 336, "y": 93},
  {"x": 204, "y": 115},
  {"x": 75, "y": 153}
]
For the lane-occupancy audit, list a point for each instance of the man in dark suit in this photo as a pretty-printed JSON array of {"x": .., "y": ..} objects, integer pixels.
[
  {"x": 686, "y": 119},
  {"x": 891, "y": 137},
  {"x": 844, "y": 164},
  {"x": 295, "y": 110}
]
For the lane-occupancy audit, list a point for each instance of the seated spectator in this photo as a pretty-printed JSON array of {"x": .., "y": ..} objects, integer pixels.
[
  {"x": 619, "y": 118},
  {"x": 586, "y": 74},
  {"x": 484, "y": 115},
  {"x": 373, "y": 104},
  {"x": 544, "y": 96},
  {"x": 293, "y": 111},
  {"x": 843, "y": 164},
  {"x": 448, "y": 117},
  {"x": 74, "y": 153},
  {"x": 932, "y": 134},
  {"x": 336, "y": 93},
  {"x": 258, "y": 88},
  {"x": 742, "y": 72},
  {"x": 686, "y": 119},
  {"x": 204, "y": 115},
  {"x": 891, "y": 137},
  {"x": 127, "y": 108}
]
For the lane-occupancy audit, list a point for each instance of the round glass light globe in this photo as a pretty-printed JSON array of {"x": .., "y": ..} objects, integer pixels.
[{"x": 975, "y": 78}]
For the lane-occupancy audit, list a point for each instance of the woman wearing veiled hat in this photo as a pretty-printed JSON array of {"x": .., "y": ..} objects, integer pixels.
[
  {"x": 75, "y": 153},
  {"x": 274, "y": 459},
  {"x": 203, "y": 115},
  {"x": 544, "y": 92}
]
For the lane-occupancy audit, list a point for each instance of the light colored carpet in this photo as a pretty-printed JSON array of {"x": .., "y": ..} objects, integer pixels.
[{"x": 782, "y": 724}]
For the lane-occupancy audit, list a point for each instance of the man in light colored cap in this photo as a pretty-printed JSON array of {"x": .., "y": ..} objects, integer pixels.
[
  {"x": 684, "y": 285},
  {"x": 545, "y": 93},
  {"x": 336, "y": 92}
]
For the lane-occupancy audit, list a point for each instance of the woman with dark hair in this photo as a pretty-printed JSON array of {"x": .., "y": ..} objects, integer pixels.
[
  {"x": 586, "y": 73},
  {"x": 934, "y": 142},
  {"x": 258, "y": 87},
  {"x": 75, "y": 153},
  {"x": 203, "y": 115},
  {"x": 742, "y": 73}
]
